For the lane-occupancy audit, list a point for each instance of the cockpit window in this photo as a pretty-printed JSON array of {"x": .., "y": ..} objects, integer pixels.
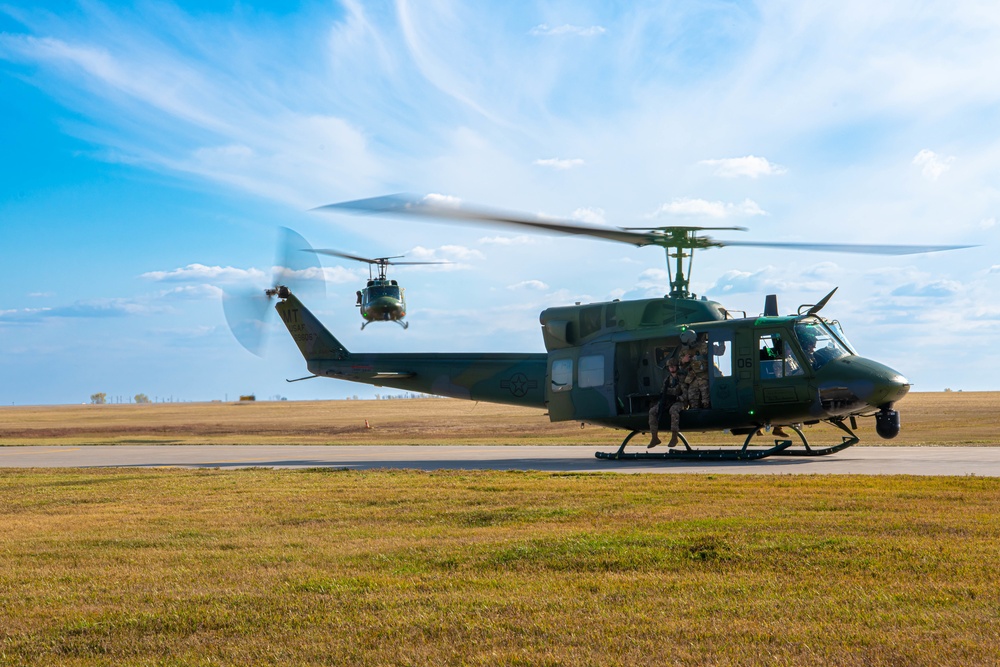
[
  {"x": 776, "y": 359},
  {"x": 839, "y": 332},
  {"x": 818, "y": 343}
]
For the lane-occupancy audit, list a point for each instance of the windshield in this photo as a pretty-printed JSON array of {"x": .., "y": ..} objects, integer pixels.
[
  {"x": 818, "y": 343},
  {"x": 839, "y": 331}
]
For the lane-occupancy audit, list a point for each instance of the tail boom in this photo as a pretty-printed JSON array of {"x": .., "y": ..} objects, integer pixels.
[{"x": 517, "y": 379}]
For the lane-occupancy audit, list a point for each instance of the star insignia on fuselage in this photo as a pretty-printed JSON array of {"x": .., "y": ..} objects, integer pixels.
[{"x": 518, "y": 384}]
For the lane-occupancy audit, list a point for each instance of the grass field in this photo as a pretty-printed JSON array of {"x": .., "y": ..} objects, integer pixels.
[
  {"x": 262, "y": 567},
  {"x": 328, "y": 567},
  {"x": 950, "y": 418}
]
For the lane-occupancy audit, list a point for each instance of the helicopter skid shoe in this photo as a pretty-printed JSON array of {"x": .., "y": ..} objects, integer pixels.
[
  {"x": 405, "y": 325},
  {"x": 846, "y": 441},
  {"x": 689, "y": 453}
]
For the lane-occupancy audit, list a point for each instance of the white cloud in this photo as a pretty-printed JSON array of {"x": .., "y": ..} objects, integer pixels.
[
  {"x": 560, "y": 164},
  {"x": 192, "y": 292},
  {"x": 315, "y": 274},
  {"x": 537, "y": 285},
  {"x": 933, "y": 289},
  {"x": 733, "y": 282},
  {"x": 201, "y": 272},
  {"x": 591, "y": 215},
  {"x": 822, "y": 271},
  {"x": 987, "y": 223},
  {"x": 709, "y": 209},
  {"x": 459, "y": 257},
  {"x": 931, "y": 164},
  {"x": 544, "y": 30},
  {"x": 443, "y": 201},
  {"x": 751, "y": 166},
  {"x": 507, "y": 240}
]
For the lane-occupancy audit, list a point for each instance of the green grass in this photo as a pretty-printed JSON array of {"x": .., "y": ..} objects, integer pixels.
[{"x": 261, "y": 567}]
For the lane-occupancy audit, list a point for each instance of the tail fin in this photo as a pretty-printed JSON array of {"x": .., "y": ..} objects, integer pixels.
[{"x": 313, "y": 339}]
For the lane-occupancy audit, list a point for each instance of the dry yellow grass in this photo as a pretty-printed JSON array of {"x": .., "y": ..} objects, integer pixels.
[
  {"x": 266, "y": 567},
  {"x": 950, "y": 418}
]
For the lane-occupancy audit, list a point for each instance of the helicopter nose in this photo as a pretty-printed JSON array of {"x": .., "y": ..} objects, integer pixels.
[{"x": 849, "y": 383}]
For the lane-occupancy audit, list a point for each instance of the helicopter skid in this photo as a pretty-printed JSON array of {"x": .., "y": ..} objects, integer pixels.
[
  {"x": 689, "y": 453},
  {"x": 846, "y": 441}
]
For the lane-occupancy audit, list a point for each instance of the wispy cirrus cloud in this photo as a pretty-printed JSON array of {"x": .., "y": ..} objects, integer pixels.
[
  {"x": 545, "y": 30},
  {"x": 559, "y": 163}
]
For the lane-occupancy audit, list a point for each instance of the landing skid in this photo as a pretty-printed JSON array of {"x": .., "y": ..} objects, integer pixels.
[
  {"x": 405, "y": 325},
  {"x": 689, "y": 453},
  {"x": 846, "y": 441},
  {"x": 782, "y": 447}
]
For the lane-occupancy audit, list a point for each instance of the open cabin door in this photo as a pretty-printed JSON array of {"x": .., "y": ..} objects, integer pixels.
[{"x": 722, "y": 378}]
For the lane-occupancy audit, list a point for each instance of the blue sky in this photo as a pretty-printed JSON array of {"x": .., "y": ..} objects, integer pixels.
[{"x": 151, "y": 151}]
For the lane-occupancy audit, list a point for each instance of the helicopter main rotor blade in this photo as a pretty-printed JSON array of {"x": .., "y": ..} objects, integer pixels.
[
  {"x": 666, "y": 237},
  {"x": 414, "y": 263},
  {"x": 412, "y": 205},
  {"x": 865, "y": 249},
  {"x": 337, "y": 253}
]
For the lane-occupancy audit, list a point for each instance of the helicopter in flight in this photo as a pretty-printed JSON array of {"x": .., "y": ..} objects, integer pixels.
[
  {"x": 382, "y": 299},
  {"x": 605, "y": 362}
]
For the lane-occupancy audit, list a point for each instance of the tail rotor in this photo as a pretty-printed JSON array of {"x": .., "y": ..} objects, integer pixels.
[{"x": 248, "y": 309}]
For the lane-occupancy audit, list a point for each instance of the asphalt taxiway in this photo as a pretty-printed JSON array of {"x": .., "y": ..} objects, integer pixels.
[{"x": 959, "y": 461}]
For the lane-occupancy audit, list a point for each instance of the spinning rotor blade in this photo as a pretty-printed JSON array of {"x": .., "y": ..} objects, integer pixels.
[
  {"x": 248, "y": 309},
  {"x": 379, "y": 260},
  {"x": 667, "y": 237},
  {"x": 337, "y": 253},
  {"x": 246, "y": 312},
  {"x": 435, "y": 208},
  {"x": 297, "y": 267},
  {"x": 850, "y": 247}
]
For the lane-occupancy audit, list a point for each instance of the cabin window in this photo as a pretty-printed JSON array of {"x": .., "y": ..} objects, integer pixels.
[
  {"x": 776, "y": 358},
  {"x": 722, "y": 354},
  {"x": 592, "y": 371},
  {"x": 562, "y": 375}
]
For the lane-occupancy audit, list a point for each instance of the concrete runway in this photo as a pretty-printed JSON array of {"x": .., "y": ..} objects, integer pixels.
[{"x": 980, "y": 461}]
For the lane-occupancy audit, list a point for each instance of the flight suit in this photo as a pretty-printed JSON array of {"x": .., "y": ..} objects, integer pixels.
[
  {"x": 696, "y": 393},
  {"x": 671, "y": 399}
]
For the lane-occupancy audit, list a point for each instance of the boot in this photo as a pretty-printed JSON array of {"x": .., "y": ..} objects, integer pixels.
[
  {"x": 674, "y": 438},
  {"x": 653, "y": 442},
  {"x": 778, "y": 431}
]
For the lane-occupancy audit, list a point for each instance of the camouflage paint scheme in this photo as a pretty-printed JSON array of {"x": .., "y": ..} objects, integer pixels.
[{"x": 616, "y": 354}]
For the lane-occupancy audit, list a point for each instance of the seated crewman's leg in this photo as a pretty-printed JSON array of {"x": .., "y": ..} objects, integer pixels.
[
  {"x": 654, "y": 425},
  {"x": 675, "y": 423}
]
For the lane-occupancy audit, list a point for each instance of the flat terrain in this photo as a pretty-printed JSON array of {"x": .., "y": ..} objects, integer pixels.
[
  {"x": 327, "y": 566},
  {"x": 948, "y": 418},
  {"x": 268, "y": 567}
]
